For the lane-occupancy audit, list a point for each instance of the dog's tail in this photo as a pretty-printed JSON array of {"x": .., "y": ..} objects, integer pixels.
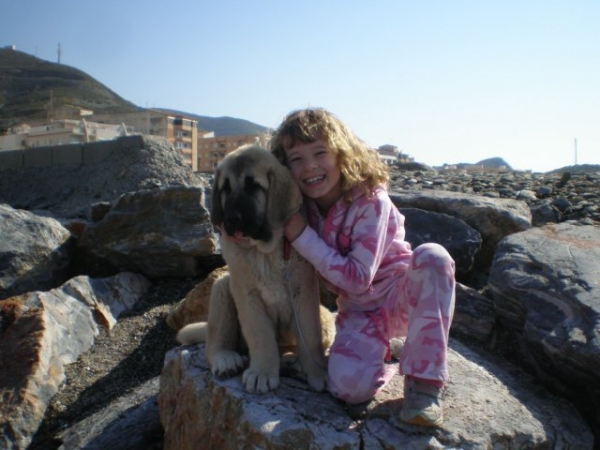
[{"x": 193, "y": 333}]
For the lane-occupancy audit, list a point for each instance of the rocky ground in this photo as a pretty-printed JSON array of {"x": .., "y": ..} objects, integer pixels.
[
  {"x": 133, "y": 351},
  {"x": 121, "y": 359}
]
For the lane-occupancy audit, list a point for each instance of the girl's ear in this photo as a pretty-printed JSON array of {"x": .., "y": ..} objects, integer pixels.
[
  {"x": 216, "y": 209},
  {"x": 284, "y": 197}
]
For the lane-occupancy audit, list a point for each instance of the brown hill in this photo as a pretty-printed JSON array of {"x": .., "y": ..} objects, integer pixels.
[{"x": 31, "y": 88}]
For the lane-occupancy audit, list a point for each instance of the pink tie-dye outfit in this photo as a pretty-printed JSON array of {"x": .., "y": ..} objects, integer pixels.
[{"x": 384, "y": 289}]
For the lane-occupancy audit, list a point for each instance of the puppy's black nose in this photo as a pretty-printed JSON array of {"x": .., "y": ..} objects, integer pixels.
[{"x": 233, "y": 222}]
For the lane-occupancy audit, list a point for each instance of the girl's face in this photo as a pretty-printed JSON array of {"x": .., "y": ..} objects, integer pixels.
[{"x": 315, "y": 170}]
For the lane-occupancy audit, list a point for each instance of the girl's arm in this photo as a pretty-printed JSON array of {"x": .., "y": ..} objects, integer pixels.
[{"x": 373, "y": 231}]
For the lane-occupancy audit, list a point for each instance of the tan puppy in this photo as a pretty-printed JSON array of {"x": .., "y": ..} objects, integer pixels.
[{"x": 271, "y": 294}]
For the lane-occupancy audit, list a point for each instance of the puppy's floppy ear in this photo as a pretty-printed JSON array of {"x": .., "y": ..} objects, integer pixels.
[
  {"x": 284, "y": 197},
  {"x": 216, "y": 209}
]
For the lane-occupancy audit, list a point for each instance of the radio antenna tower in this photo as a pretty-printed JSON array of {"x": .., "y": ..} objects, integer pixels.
[
  {"x": 59, "y": 53},
  {"x": 575, "y": 151}
]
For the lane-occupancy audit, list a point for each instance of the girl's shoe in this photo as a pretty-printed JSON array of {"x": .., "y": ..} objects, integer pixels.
[
  {"x": 358, "y": 411},
  {"x": 422, "y": 403}
]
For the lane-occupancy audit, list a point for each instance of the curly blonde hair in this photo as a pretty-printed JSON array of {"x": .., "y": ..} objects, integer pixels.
[{"x": 360, "y": 165}]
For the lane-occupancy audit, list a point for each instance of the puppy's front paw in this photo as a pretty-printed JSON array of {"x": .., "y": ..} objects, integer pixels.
[
  {"x": 257, "y": 382},
  {"x": 227, "y": 364}
]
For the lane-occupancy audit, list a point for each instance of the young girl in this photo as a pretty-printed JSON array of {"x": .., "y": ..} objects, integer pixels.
[{"x": 355, "y": 241}]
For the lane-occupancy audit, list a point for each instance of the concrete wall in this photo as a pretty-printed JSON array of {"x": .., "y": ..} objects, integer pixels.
[{"x": 69, "y": 154}]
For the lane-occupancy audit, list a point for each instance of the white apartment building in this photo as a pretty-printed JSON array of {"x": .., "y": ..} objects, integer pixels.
[{"x": 59, "y": 132}]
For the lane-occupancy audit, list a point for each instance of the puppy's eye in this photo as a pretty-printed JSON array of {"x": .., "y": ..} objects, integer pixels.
[{"x": 250, "y": 185}]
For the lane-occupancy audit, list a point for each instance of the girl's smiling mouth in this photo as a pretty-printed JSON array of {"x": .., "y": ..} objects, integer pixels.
[{"x": 314, "y": 180}]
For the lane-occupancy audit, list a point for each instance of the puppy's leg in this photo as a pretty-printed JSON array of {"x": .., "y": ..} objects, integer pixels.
[
  {"x": 259, "y": 332},
  {"x": 223, "y": 334},
  {"x": 307, "y": 328}
]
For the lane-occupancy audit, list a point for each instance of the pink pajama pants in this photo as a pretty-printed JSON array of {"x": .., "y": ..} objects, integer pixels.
[{"x": 421, "y": 310}]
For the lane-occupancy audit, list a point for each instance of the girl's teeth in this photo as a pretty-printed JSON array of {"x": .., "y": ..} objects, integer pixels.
[{"x": 314, "y": 180}]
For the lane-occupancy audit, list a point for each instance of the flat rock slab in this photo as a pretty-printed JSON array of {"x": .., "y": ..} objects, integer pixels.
[
  {"x": 486, "y": 406},
  {"x": 130, "y": 422}
]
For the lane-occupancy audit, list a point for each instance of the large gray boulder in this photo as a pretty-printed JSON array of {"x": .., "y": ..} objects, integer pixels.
[
  {"x": 546, "y": 292},
  {"x": 494, "y": 218},
  {"x": 35, "y": 252},
  {"x": 160, "y": 233},
  {"x": 124, "y": 165},
  {"x": 486, "y": 406},
  {"x": 459, "y": 239},
  {"x": 46, "y": 331}
]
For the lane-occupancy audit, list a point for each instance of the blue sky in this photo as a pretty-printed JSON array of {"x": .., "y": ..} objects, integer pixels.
[{"x": 446, "y": 81}]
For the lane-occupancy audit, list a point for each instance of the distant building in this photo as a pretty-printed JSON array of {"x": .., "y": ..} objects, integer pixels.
[
  {"x": 12, "y": 141},
  {"x": 391, "y": 155},
  {"x": 474, "y": 168},
  {"x": 181, "y": 131},
  {"x": 211, "y": 149},
  {"x": 59, "y": 132},
  {"x": 70, "y": 112}
]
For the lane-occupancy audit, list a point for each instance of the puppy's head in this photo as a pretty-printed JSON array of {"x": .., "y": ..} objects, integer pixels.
[{"x": 253, "y": 194}]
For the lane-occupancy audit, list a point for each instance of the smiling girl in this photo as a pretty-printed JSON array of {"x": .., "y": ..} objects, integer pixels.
[{"x": 354, "y": 237}]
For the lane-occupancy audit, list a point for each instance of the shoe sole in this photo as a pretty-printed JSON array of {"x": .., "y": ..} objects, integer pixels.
[{"x": 421, "y": 421}]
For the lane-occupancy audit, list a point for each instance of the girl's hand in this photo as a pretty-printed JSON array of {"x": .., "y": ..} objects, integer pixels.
[{"x": 294, "y": 226}]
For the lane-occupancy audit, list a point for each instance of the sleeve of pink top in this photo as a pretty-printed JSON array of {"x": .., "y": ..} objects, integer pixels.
[{"x": 354, "y": 272}]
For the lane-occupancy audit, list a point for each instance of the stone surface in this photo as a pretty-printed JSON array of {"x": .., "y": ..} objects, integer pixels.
[
  {"x": 160, "y": 233},
  {"x": 580, "y": 190},
  {"x": 486, "y": 406},
  {"x": 546, "y": 292},
  {"x": 35, "y": 252},
  {"x": 131, "y": 422},
  {"x": 474, "y": 317},
  {"x": 462, "y": 241},
  {"x": 47, "y": 331},
  {"x": 494, "y": 218},
  {"x": 68, "y": 191}
]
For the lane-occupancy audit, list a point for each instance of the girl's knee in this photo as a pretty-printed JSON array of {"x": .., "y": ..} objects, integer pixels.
[
  {"x": 433, "y": 250},
  {"x": 434, "y": 253}
]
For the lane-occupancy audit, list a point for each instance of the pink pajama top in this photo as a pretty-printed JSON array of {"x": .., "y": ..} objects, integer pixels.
[{"x": 358, "y": 249}]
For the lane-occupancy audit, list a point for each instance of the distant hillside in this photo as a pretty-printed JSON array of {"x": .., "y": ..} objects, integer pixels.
[
  {"x": 31, "y": 87},
  {"x": 222, "y": 126},
  {"x": 578, "y": 168},
  {"x": 489, "y": 163},
  {"x": 494, "y": 163}
]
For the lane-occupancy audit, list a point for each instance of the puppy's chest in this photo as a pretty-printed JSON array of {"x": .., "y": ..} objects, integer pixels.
[
  {"x": 271, "y": 285},
  {"x": 265, "y": 270}
]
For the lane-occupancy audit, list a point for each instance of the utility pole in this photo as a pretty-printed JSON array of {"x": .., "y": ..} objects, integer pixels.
[{"x": 59, "y": 53}]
